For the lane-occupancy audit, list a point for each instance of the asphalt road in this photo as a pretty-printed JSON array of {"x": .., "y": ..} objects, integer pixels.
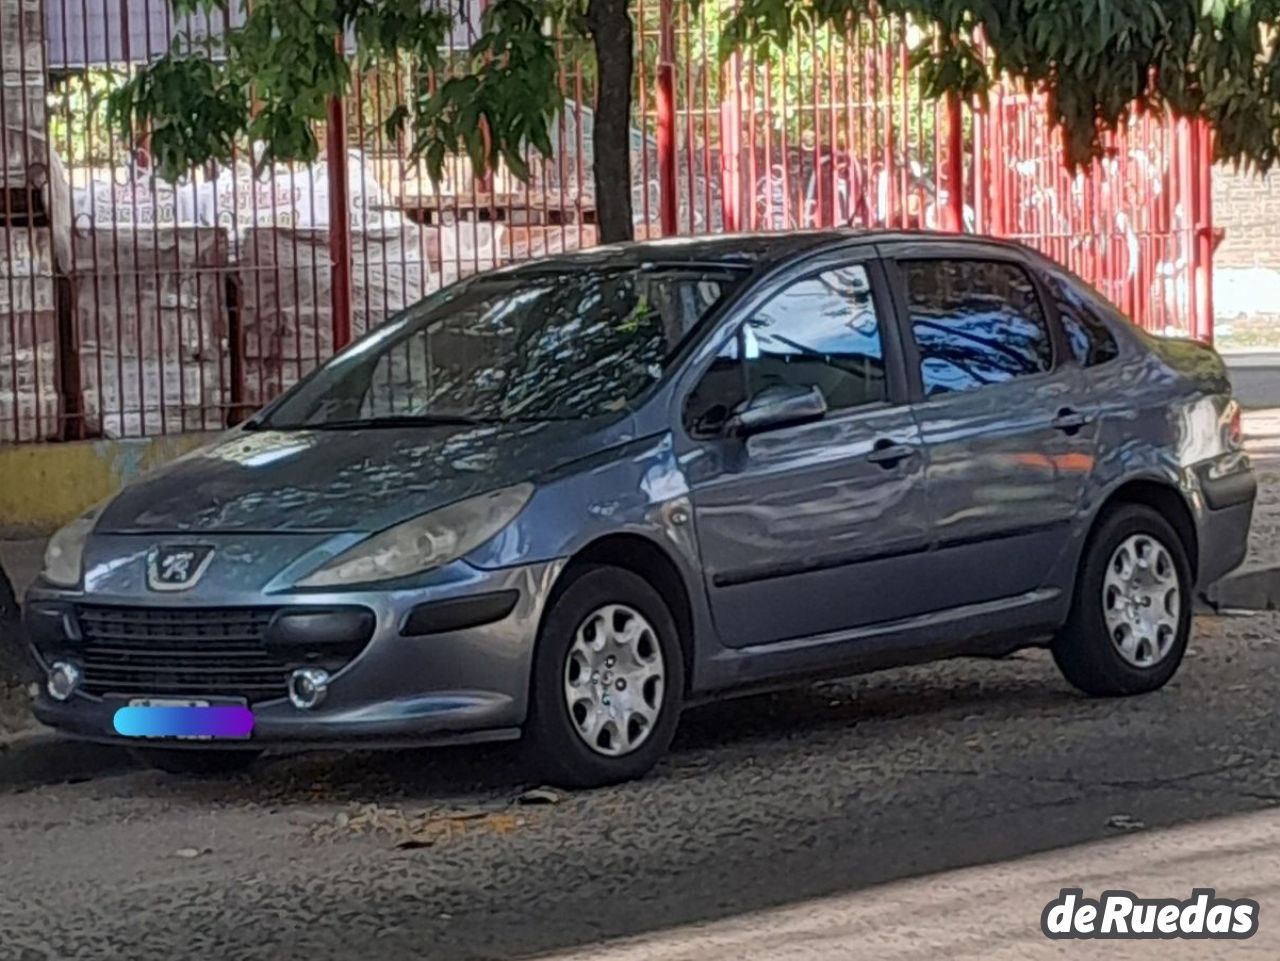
[
  {"x": 990, "y": 912},
  {"x": 765, "y": 804}
]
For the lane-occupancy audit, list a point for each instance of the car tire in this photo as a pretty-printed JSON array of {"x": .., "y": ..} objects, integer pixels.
[
  {"x": 196, "y": 763},
  {"x": 1120, "y": 638},
  {"x": 603, "y": 605}
]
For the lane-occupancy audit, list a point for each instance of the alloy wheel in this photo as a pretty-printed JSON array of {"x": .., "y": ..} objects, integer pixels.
[
  {"x": 1142, "y": 600},
  {"x": 613, "y": 680}
]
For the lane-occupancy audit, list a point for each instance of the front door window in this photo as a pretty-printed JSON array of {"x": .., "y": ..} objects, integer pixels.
[{"x": 821, "y": 331}]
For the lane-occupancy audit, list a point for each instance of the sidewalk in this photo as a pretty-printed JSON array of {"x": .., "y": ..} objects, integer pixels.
[
  {"x": 1262, "y": 437},
  {"x": 993, "y": 912}
]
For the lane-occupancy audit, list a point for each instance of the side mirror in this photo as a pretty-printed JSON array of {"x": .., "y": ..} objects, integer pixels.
[{"x": 777, "y": 407}]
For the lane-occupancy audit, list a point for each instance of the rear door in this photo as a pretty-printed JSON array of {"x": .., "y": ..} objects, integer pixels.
[
  {"x": 814, "y": 527},
  {"x": 1009, "y": 443}
]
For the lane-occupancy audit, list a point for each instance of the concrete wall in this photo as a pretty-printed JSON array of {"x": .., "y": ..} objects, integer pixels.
[
  {"x": 1246, "y": 275},
  {"x": 42, "y": 486}
]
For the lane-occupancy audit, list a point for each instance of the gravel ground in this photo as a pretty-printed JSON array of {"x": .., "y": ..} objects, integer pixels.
[{"x": 765, "y": 802}]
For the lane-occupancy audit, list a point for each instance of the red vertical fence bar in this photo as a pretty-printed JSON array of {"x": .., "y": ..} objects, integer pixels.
[
  {"x": 730, "y": 144},
  {"x": 955, "y": 165},
  {"x": 1205, "y": 237},
  {"x": 339, "y": 219}
]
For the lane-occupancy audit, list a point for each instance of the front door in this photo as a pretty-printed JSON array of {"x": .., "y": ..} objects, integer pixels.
[
  {"x": 1009, "y": 438},
  {"x": 810, "y": 528}
]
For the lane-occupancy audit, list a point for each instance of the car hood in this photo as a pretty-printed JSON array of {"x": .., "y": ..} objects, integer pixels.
[{"x": 352, "y": 480}]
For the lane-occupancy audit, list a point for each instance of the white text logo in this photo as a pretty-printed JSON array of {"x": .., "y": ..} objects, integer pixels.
[{"x": 1122, "y": 914}]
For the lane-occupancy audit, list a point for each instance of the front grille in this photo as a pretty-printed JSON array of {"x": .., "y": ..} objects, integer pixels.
[{"x": 188, "y": 652}]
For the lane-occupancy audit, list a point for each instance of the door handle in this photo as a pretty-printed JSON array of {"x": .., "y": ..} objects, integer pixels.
[
  {"x": 888, "y": 454},
  {"x": 1069, "y": 421}
]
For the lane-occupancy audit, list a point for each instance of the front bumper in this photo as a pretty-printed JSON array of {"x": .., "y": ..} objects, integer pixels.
[
  {"x": 427, "y": 675},
  {"x": 428, "y": 721}
]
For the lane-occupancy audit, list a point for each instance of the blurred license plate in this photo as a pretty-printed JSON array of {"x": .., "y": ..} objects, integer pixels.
[
  {"x": 173, "y": 702},
  {"x": 165, "y": 702}
]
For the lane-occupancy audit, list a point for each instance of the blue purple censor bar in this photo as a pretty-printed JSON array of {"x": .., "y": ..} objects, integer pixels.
[{"x": 229, "y": 721}]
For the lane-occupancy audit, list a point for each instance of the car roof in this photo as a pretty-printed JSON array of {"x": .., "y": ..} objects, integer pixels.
[{"x": 751, "y": 250}]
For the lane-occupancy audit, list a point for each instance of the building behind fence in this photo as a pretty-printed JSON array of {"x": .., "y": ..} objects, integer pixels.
[{"x": 133, "y": 307}]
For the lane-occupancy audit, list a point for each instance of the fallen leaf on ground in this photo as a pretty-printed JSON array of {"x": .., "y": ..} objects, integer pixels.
[
  {"x": 467, "y": 814},
  {"x": 1125, "y": 822}
]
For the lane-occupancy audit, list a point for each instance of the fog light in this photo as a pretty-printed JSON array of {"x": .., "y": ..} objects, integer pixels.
[
  {"x": 307, "y": 687},
  {"x": 64, "y": 678}
]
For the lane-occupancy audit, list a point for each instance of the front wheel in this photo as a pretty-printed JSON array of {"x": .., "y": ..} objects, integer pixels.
[
  {"x": 196, "y": 763},
  {"x": 608, "y": 679},
  {"x": 1131, "y": 614}
]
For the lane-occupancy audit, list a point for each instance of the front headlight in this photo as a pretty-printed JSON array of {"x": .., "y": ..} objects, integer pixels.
[
  {"x": 427, "y": 541},
  {"x": 64, "y": 554}
]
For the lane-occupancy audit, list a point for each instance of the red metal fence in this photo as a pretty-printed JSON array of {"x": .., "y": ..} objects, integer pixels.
[{"x": 132, "y": 307}]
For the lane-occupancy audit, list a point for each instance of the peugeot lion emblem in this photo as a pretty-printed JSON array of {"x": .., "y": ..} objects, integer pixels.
[{"x": 176, "y": 568}]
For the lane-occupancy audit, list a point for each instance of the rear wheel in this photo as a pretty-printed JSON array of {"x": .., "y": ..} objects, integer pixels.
[
  {"x": 608, "y": 677},
  {"x": 196, "y": 763},
  {"x": 1131, "y": 614}
]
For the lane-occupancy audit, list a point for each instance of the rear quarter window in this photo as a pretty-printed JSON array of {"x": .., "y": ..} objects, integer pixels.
[{"x": 1090, "y": 338}]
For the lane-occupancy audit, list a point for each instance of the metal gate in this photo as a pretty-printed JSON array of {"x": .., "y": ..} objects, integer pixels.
[{"x": 132, "y": 307}]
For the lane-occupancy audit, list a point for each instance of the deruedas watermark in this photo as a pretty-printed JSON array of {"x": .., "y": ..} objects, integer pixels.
[{"x": 1122, "y": 914}]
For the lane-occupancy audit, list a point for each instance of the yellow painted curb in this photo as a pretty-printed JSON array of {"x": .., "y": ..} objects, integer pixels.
[{"x": 42, "y": 486}]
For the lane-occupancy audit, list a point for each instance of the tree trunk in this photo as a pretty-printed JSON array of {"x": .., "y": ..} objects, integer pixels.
[{"x": 610, "y": 24}]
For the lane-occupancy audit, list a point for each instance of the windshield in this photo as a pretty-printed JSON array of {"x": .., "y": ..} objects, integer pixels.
[{"x": 544, "y": 346}]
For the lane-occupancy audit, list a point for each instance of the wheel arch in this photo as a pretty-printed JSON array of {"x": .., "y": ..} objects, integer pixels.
[
  {"x": 645, "y": 558},
  {"x": 1083, "y": 649},
  {"x": 1163, "y": 497}
]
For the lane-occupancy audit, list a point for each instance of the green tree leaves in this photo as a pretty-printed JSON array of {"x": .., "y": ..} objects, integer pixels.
[
  {"x": 194, "y": 112},
  {"x": 270, "y": 80},
  {"x": 504, "y": 99}
]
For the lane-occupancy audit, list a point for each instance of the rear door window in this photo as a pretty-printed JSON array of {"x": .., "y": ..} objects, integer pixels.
[{"x": 975, "y": 323}]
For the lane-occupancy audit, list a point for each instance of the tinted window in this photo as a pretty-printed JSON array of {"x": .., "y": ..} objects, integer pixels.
[
  {"x": 515, "y": 347},
  {"x": 818, "y": 332},
  {"x": 975, "y": 323},
  {"x": 1091, "y": 342}
]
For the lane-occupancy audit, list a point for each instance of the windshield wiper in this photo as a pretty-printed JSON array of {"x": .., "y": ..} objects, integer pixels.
[{"x": 403, "y": 420}]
